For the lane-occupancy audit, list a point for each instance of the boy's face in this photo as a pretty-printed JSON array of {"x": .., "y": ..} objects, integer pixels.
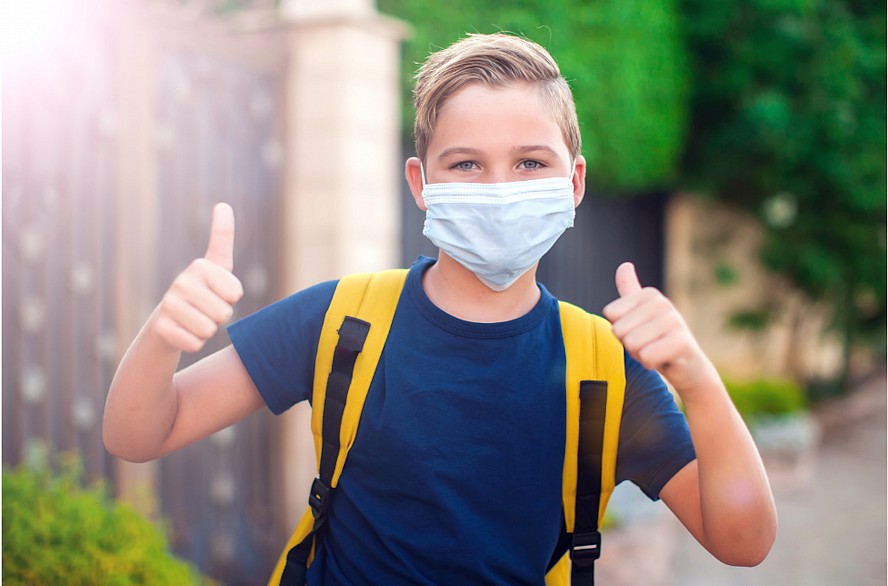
[{"x": 495, "y": 135}]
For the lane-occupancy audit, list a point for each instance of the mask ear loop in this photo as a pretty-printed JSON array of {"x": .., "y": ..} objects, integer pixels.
[{"x": 422, "y": 174}]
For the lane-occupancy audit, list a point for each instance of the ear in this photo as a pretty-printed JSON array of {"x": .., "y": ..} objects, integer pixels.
[
  {"x": 413, "y": 173},
  {"x": 579, "y": 180}
]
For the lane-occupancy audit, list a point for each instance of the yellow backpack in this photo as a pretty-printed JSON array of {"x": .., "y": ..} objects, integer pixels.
[{"x": 355, "y": 328}]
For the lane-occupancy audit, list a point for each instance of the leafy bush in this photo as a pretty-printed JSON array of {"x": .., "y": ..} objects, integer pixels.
[
  {"x": 55, "y": 531},
  {"x": 766, "y": 398},
  {"x": 788, "y": 121}
]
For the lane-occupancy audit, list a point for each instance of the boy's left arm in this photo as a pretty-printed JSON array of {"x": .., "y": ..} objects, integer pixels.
[{"x": 723, "y": 497}]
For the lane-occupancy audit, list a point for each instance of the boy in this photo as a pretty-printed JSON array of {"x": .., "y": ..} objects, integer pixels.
[{"x": 455, "y": 475}]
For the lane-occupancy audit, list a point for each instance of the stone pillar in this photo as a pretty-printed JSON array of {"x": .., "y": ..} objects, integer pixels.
[
  {"x": 342, "y": 203},
  {"x": 344, "y": 168},
  {"x": 310, "y": 9}
]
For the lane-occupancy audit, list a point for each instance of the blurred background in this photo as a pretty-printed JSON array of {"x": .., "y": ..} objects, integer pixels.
[{"x": 736, "y": 152}]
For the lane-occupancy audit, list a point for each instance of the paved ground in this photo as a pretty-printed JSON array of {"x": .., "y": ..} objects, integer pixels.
[{"x": 832, "y": 532}]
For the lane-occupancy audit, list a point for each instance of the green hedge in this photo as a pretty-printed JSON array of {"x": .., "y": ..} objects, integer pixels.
[
  {"x": 55, "y": 531},
  {"x": 767, "y": 398}
]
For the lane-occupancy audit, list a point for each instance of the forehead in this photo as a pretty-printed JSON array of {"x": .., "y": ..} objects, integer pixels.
[{"x": 494, "y": 119}]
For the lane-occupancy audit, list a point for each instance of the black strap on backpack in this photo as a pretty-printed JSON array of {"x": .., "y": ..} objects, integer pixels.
[
  {"x": 352, "y": 334},
  {"x": 586, "y": 544}
]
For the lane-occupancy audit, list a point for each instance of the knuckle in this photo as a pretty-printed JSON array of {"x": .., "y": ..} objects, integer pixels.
[
  {"x": 206, "y": 330},
  {"x": 199, "y": 264},
  {"x": 164, "y": 304},
  {"x": 170, "y": 305},
  {"x": 196, "y": 271},
  {"x": 631, "y": 345},
  {"x": 190, "y": 341},
  {"x": 194, "y": 345},
  {"x": 654, "y": 295},
  {"x": 163, "y": 331},
  {"x": 234, "y": 289},
  {"x": 226, "y": 314},
  {"x": 646, "y": 360},
  {"x": 182, "y": 285},
  {"x": 175, "y": 287},
  {"x": 621, "y": 333}
]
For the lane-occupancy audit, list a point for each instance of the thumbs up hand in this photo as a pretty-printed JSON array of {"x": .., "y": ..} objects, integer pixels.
[
  {"x": 202, "y": 297},
  {"x": 654, "y": 333}
]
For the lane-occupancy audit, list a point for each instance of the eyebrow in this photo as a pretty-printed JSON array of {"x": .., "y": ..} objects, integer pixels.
[
  {"x": 534, "y": 148},
  {"x": 476, "y": 152},
  {"x": 458, "y": 151}
]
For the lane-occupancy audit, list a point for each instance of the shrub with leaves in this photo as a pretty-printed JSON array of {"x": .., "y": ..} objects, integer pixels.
[
  {"x": 788, "y": 121},
  {"x": 776, "y": 412},
  {"x": 767, "y": 398},
  {"x": 55, "y": 531}
]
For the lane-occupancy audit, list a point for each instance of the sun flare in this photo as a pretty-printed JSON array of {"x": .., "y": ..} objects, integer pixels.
[{"x": 29, "y": 28}]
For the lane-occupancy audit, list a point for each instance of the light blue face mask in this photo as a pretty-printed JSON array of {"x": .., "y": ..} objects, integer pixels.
[{"x": 498, "y": 230}]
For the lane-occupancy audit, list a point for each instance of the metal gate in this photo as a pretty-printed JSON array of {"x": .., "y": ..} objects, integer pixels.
[
  {"x": 60, "y": 155},
  {"x": 217, "y": 121},
  {"x": 190, "y": 113}
]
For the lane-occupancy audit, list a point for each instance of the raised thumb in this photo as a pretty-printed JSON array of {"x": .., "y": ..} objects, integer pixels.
[
  {"x": 220, "y": 249},
  {"x": 627, "y": 280}
]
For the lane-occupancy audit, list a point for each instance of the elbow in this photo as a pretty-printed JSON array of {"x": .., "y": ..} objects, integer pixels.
[
  {"x": 749, "y": 550},
  {"x": 748, "y": 558},
  {"x": 118, "y": 448},
  {"x": 113, "y": 447},
  {"x": 759, "y": 552},
  {"x": 131, "y": 457}
]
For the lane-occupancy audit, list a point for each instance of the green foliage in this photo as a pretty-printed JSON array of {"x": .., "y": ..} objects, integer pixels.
[
  {"x": 765, "y": 398},
  {"x": 725, "y": 274},
  {"x": 788, "y": 120},
  {"x": 57, "y": 532},
  {"x": 624, "y": 60},
  {"x": 753, "y": 320}
]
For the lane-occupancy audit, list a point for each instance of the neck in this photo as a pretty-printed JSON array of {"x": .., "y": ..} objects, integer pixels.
[{"x": 457, "y": 291}]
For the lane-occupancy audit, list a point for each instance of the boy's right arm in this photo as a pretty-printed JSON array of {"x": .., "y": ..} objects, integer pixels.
[{"x": 152, "y": 410}]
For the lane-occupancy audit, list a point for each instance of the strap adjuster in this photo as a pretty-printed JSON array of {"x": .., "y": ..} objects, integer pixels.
[
  {"x": 586, "y": 548},
  {"x": 318, "y": 498}
]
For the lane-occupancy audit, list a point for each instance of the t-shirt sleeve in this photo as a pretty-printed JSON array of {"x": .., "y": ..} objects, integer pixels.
[
  {"x": 655, "y": 441},
  {"x": 278, "y": 344}
]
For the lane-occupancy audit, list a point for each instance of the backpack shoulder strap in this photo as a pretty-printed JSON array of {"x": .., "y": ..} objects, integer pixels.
[
  {"x": 593, "y": 354},
  {"x": 372, "y": 298},
  {"x": 352, "y": 338},
  {"x": 595, "y": 385}
]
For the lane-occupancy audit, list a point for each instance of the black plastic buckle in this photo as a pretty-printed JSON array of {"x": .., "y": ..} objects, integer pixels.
[
  {"x": 586, "y": 548},
  {"x": 317, "y": 498},
  {"x": 352, "y": 334}
]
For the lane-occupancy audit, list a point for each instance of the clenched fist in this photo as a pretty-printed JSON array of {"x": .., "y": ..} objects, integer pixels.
[
  {"x": 654, "y": 333},
  {"x": 202, "y": 297}
]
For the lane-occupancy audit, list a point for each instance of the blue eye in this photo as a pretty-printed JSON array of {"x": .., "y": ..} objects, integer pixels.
[
  {"x": 464, "y": 166},
  {"x": 531, "y": 165}
]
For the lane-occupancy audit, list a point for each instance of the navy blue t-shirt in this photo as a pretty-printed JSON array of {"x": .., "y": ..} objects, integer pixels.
[{"x": 455, "y": 474}]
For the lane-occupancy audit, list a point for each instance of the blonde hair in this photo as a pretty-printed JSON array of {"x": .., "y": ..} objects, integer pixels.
[{"x": 493, "y": 60}]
